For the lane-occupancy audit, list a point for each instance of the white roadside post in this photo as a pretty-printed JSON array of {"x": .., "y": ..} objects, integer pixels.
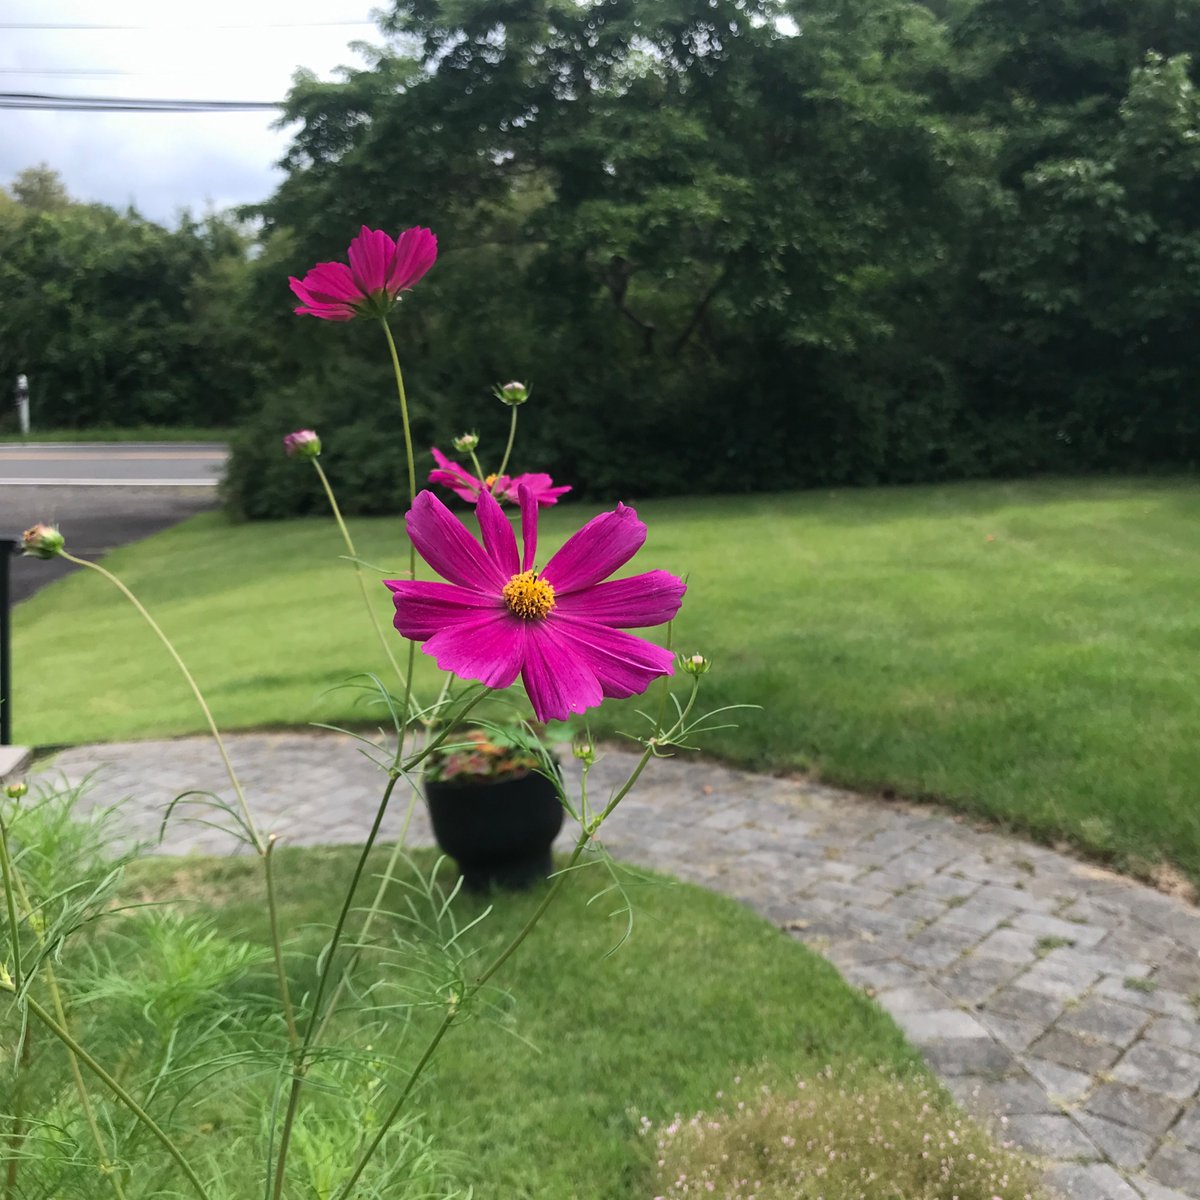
[{"x": 22, "y": 394}]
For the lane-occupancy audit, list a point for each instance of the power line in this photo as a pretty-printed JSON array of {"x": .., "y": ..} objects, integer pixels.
[
  {"x": 260, "y": 25},
  {"x": 51, "y": 103}
]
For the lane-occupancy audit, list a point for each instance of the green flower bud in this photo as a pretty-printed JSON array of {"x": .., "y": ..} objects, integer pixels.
[
  {"x": 466, "y": 443},
  {"x": 14, "y": 791},
  {"x": 694, "y": 664},
  {"x": 583, "y": 750},
  {"x": 513, "y": 393},
  {"x": 42, "y": 541}
]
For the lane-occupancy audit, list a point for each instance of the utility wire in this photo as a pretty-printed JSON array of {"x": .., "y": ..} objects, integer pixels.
[
  {"x": 261, "y": 25},
  {"x": 52, "y": 103}
]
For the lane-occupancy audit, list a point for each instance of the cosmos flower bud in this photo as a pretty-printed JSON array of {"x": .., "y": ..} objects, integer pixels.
[
  {"x": 694, "y": 664},
  {"x": 466, "y": 443},
  {"x": 583, "y": 750},
  {"x": 42, "y": 541},
  {"x": 304, "y": 443},
  {"x": 14, "y": 791},
  {"x": 513, "y": 393}
]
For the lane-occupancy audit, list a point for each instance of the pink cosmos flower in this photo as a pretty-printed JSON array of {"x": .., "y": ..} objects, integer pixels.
[
  {"x": 467, "y": 486},
  {"x": 380, "y": 269},
  {"x": 561, "y": 629}
]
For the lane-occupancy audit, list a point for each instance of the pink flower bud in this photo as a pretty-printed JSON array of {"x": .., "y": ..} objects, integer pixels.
[
  {"x": 42, "y": 541},
  {"x": 304, "y": 443}
]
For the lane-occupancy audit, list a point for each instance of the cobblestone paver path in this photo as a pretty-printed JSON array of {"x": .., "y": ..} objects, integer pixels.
[{"x": 1048, "y": 994}]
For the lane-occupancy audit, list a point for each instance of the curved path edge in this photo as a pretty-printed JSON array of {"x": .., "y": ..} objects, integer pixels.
[{"x": 1057, "y": 1001}]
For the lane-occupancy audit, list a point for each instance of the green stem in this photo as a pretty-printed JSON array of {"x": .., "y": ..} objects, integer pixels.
[
  {"x": 389, "y": 873},
  {"x": 60, "y": 1013},
  {"x": 10, "y": 901},
  {"x": 512, "y": 433},
  {"x": 259, "y": 845},
  {"x": 478, "y": 469},
  {"x": 412, "y": 495},
  {"x": 17, "y": 1137},
  {"x": 408, "y": 446},
  {"x": 312, "y": 1027},
  {"x": 118, "y": 1091},
  {"x": 585, "y": 836},
  {"x": 277, "y": 947},
  {"x": 362, "y": 583}
]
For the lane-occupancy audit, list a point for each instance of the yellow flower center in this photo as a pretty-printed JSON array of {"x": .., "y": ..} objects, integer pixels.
[
  {"x": 490, "y": 480},
  {"x": 528, "y": 596}
]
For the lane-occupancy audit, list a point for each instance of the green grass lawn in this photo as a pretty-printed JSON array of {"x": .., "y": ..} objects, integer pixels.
[
  {"x": 543, "y": 1098},
  {"x": 1026, "y": 651},
  {"x": 113, "y": 433}
]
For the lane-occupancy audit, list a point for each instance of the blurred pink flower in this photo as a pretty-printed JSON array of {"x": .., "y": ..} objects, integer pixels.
[
  {"x": 560, "y": 629},
  {"x": 380, "y": 269},
  {"x": 467, "y": 486},
  {"x": 304, "y": 443}
]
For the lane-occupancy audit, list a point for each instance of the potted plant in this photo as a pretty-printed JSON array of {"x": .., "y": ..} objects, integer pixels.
[{"x": 494, "y": 805}]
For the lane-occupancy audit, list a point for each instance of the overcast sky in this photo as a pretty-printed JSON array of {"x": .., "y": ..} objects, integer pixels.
[{"x": 217, "y": 50}]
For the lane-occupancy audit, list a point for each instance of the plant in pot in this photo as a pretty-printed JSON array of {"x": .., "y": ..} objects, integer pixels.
[{"x": 494, "y": 801}]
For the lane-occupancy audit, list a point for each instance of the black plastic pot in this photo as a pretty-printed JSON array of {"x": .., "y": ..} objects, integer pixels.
[{"x": 499, "y": 833}]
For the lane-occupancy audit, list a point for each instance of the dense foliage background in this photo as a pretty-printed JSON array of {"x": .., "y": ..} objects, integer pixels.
[{"x": 735, "y": 244}]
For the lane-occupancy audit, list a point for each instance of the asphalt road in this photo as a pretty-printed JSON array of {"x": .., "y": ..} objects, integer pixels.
[
  {"x": 100, "y": 496},
  {"x": 112, "y": 464}
]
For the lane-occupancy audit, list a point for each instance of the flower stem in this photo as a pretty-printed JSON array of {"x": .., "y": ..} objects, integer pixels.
[
  {"x": 19, "y": 1132},
  {"x": 412, "y": 495},
  {"x": 60, "y": 1013},
  {"x": 247, "y": 819},
  {"x": 585, "y": 836},
  {"x": 10, "y": 902},
  {"x": 315, "y": 1024},
  {"x": 512, "y": 433},
  {"x": 362, "y": 583},
  {"x": 118, "y": 1091},
  {"x": 277, "y": 947},
  {"x": 478, "y": 469},
  {"x": 408, "y": 446},
  {"x": 259, "y": 844}
]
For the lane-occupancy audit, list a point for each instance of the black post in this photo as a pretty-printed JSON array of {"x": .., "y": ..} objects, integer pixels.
[{"x": 8, "y": 547}]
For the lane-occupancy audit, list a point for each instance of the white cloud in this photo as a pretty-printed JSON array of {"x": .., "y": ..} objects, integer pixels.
[{"x": 162, "y": 162}]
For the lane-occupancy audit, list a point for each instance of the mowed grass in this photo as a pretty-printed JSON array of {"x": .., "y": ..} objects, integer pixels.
[
  {"x": 1028, "y": 652},
  {"x": 115, "y": 433},
  {"x": 543, "y": 1097}
]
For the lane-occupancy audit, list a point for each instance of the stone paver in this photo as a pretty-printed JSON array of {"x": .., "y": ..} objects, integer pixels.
[{"x": 1047, "y": 992}]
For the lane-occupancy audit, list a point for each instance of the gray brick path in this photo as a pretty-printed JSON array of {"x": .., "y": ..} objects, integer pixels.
[{"x": 1055, "y": 999}]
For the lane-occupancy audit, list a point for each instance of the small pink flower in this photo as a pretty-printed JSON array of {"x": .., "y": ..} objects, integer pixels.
[
  {"x": 304, "y": 443},
  {"x": 560, "y": 629},
  {"x": 380, "y": 269},
  {"x": 467, "y": 486}
]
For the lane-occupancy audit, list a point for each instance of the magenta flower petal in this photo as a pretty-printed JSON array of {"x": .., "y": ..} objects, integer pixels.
[
  {"x": 498, "y": 538},
  {"x": 529, "y": 532},
  {"x": 605, "y": 543},
  {"x": 443, "y": 542},
  {"x": 625, "y": 665},
  {"x": 424, "y": 608},
  {"x": 460, "y": 481},
  {"x": 380, "y": 268},
  {"x": 370, "y": 255},
  {"x": 415, "y": 253},
  {"x": 541, "y": 485},
  {"x": 498, "y": 617},
  {"x": 491, "y": 650},
  {"x": 641, "y": 600},
  {"x": 557, "y": 678}
]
